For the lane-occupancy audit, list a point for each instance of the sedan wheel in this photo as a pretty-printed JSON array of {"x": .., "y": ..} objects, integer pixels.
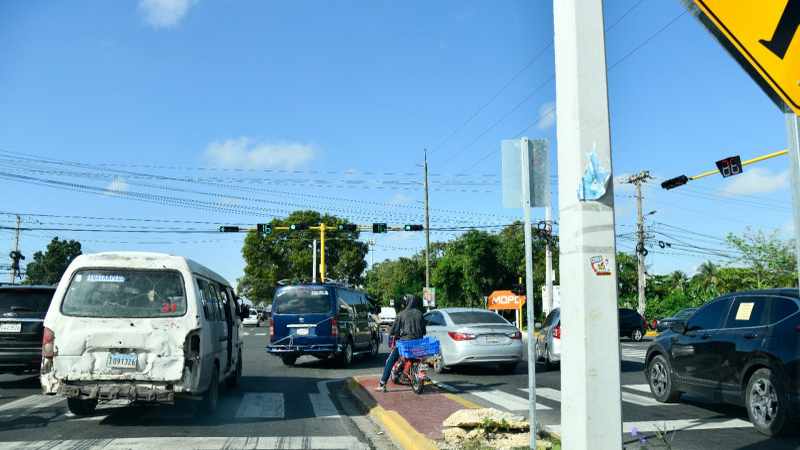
[{"x": 765, "y": 403}]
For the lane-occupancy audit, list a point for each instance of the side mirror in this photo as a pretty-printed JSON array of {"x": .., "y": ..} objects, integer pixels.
[
  {"x": 537, "y": 326},
  {"x": 678, "y": 327}
]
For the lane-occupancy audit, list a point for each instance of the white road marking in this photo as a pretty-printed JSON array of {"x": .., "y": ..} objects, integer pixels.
[
  {"x": 261, "y": 334},
  {"x": 545, "y": 392},
  {"x": 201, "y": 443},
  {"x": 321, "y": 401},
  {"x": 261, "y": 405},
  {"x": 651, "y": 426},
  {"x": 638, "y": 387},
  {"x": 31, "y": 402},
  {"x": 508, "y": 401},
  {"x": 629, "y": 397}
]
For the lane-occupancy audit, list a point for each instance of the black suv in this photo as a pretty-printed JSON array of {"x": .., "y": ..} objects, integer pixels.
[
  {"x": 631, "y": 324},
  {"x": 22, "y": 311},
  {"x": 741, "y": 348}
]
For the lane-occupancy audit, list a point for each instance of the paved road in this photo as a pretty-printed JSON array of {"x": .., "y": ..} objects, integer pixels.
[
  {"x": 275, "y": 407},
  {"x": 700, "y": 425}
]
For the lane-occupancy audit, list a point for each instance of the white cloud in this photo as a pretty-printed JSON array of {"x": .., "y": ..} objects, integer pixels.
[
  {"x": 401, "y": 199},
  {"x": 757, "y": 180},
  {"x": 164, "y": 13},
  {"x": 547, "y": 116},
  {"x": 247, "y": 153},
  {"x": 117, "y": 185}
]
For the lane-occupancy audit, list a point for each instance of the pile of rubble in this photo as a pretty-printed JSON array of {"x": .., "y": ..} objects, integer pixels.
[{"x": 484, "y": 428}]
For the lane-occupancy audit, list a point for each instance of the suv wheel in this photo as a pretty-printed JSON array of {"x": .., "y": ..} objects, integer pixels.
[
  {"x": 211, "y": 397},
  {"x": 81, "y": 407},
  {"x": 766, "y": 402},
  {"x": 659, "y": 376},
  {"x": 637, "y": 335},
  {"x": 289, "y": 360},
  {"x": 346, "y": 358},
  {"x": 236, "y": 378}
]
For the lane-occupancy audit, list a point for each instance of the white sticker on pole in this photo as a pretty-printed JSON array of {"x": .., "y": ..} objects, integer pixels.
[{"x": 511, "y": 159}]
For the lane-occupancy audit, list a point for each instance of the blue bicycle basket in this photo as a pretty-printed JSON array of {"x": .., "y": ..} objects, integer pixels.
[{"x": 419, "y": 348}]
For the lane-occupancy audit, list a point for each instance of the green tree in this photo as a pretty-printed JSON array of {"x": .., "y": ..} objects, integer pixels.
[
  {"x": 770, "y": 260},
  {"x": 48, "y": 267},
  {"x": 627, "y": 280},
  {"x": 394, "y": 278},
  {"x": 288, "y": 255}
]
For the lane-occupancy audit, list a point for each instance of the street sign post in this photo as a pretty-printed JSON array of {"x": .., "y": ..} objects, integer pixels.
[{"x": 526, "y": 183}]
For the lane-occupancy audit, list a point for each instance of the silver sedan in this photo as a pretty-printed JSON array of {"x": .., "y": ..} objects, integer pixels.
[{"x": 471, "y": 336}]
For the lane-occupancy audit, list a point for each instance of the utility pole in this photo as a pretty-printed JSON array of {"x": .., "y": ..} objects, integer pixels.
[
  {"x": 591, "y": 411},
  {"x": 427, "y": 228},
  {"x": 637, "y": 180},
  {"x": 793, "y": 129},
  {"x": 16, "y": 255},
  {"x": 314, "y": 262}
]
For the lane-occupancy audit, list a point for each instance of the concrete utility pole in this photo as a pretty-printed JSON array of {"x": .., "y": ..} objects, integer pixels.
[
  {"x": 591, "y": 413},
  {"x": 427, "y": 229},
  {"x": 793, "y": 128},
  {"x": 314, "y": 262},
  {"x": 548, "y": 264},
  {"x": 637, "y": 180}
]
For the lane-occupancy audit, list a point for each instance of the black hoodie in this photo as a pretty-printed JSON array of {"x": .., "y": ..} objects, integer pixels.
[{"x": 409, "y": 323}]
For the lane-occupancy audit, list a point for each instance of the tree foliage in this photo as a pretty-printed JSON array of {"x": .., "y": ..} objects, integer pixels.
[
  {"x": 47, "y": 267},
  {"x": 288, "y": 255}
]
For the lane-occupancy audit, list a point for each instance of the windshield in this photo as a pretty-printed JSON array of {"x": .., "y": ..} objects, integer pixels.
[
  {"x": 470, "y": 317},
  {"x": 312, "y": 300},
  {"x": 22, "y": 301},
  {"x": 125, "y": 293}
]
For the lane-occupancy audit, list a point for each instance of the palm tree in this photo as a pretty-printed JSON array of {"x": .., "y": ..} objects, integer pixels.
[{"x": 708, "y": 272}]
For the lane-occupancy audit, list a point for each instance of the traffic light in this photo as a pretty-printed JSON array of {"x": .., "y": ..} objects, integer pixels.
[
  {"x": 675, "y": 182},
  {"x": 348, "y": 227},
  {"x": 298, "y": 226},
  {"x": 228, "y": 229},
  {"x": 413, "y": 227},
  {"x": 379, "y": 228},
  {"x": 264, "y": 229}
]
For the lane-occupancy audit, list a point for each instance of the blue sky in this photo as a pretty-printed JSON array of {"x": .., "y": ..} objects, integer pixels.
[{"x": 329, "y": 105}]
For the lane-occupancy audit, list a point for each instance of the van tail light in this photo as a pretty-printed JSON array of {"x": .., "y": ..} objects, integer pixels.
[
  {"x": 557, "y": 331},
  {"x": 334, "y": 327},
  {"x": 271, "y": 328},
  {"x": 456, "y": 336},
  {"x": 48, "y": 343},
  {"x": 517, "y": 335}
]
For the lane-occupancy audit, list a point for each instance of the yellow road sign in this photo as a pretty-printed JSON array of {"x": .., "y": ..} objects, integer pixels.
[{"x": 764, "y": 33}]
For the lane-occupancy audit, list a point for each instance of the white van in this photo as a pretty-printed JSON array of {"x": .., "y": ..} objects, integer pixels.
[{"x": 140, "y": 326}]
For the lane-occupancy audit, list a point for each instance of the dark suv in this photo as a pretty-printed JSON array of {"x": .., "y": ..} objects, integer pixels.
[
  {"x": 631, "y": 324},
  {"x": 322, "y": 320},
  {"x": 22, "y": 311},
  {"x": 742, "y": 348}
]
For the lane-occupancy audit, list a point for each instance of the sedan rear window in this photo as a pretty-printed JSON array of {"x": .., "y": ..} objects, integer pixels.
[
  {"x": 125, "y": 293},
  {"x": 470, "y": 317},
  {"x": 302, "y": 301}
]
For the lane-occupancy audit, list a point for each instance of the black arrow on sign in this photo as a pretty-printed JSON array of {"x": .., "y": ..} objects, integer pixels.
[{"x": 785, "y": 31}]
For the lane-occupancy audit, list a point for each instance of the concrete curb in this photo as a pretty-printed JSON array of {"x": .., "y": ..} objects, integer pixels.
[{"x": 398, "y": 428}]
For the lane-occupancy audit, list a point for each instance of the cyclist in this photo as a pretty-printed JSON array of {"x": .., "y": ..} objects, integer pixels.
[{"x": 409, "y": 325}]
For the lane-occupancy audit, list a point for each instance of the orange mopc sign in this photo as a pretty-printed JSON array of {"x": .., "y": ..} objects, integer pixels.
[{"x": 505, "y": 300}]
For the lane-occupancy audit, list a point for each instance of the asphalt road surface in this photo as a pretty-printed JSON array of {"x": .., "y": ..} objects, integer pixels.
[
  {"x": 275, "y": 407},
  {"x": 691, "y": 424}
]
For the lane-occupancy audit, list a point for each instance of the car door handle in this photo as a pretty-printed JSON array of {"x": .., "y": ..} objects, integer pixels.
[{"x": 750, "y": 336}]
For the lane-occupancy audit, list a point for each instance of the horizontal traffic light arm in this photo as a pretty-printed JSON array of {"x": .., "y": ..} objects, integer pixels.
[
  {"x": 683, "y": 179},
  {"x": 328, "y": 228}
]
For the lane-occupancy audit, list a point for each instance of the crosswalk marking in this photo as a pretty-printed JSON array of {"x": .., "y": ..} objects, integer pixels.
[
  {"x": 652, "y": 426},
  {"x": 37, "y": 401},
  {"x": 202, "y": 443},
  {"x": 321, "y": 402},
  {"x": 638, "y": 387},
  {"x": 261, "y": 405},
  {"x": 629, "y": 397},
  {"x": 508, "y": 401}
]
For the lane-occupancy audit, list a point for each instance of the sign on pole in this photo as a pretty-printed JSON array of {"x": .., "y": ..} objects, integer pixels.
[
  {"x": 429, "y": 297},
  {"x": 759, "y": 34}
]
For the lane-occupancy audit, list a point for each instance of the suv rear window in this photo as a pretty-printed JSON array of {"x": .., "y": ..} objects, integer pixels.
[
  {"x": 469, "y": 317},
  {"x": 23, "y": 301},
  {"x": 125, "y": 293},
  {"x": 302, "y": 301}
]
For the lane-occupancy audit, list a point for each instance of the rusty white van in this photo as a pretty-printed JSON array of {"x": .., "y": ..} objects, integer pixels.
[{"x": 146, "y": 327}]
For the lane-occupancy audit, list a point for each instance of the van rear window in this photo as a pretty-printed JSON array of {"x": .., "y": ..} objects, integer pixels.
[
  {"x": 125, "y": 293},
  {"x": 302, "y": 301}
]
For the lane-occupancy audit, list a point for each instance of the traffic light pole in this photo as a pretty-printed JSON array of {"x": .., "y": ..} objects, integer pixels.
[
  {"x": 591, "y": 412},
  {"x": 793, "y": 127},
  {"x": 321, "y": 229}
]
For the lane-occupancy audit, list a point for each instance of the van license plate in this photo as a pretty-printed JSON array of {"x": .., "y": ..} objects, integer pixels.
[
  {"x": 122, "y": 360},
  {"x": 10, "y": 327},
  {"x": 302, "y": 331}
]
